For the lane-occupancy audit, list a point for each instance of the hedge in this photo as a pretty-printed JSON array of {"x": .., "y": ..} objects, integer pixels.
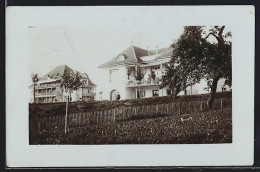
[{"x": 39, "y": 109}]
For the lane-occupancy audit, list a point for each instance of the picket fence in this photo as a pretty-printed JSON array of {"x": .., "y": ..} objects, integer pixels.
[{"x": 101, "y": 117}]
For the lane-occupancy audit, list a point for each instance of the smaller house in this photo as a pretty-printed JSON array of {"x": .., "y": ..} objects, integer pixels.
[{"x": 48, "y": 90}]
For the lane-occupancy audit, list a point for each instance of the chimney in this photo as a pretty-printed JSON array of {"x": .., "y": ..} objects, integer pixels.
[
  {"x": 156, "y": 50},
  {"x": 148, "y": 51}
]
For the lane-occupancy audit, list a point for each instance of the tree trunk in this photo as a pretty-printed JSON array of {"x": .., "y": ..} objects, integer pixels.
[
  {"x": 66, "y": 116},
  {"x": 33, "y": 92},
  {"x": 139, "y": 90},
  {"x": 212, "y": 92}
]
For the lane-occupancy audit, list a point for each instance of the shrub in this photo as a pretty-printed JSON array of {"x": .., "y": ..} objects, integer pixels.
[{"x": 39, "y": 109}]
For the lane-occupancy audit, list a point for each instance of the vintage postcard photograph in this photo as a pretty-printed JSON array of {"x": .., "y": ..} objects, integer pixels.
[
  {"x": 177, "y": 93},
  {"x": 157, "y": 78}
]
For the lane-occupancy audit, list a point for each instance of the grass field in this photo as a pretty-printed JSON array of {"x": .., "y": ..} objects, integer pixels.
[{"x": 200, "y": 128}]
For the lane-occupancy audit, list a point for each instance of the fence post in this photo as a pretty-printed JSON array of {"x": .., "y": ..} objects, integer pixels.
[
  {"x": 200, "y": 105},
  {"x": 221, "y": 105},
  {"x": 48, "y": 118},
  {"x": 114, "y": 116},
  {"x": 156, "y": 107},
  {"x": 87, "y": 118},
  {"x": 179, "y": 108},
  {"x": 108, "y": 117},
  {"x": 83, "y": 118},
  {"x": 77, "y": 118},
  {"x": 39, "y": 123},
  {"x": 189, "y": 111},
  {"x": 102, "y": 117},
  {"x": 72, "y": 121}
]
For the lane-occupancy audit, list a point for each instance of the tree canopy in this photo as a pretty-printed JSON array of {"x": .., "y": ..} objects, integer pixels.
[
  {"x": 199, "y": 53},
  {"x": 71, "y": 82},
  {"x": 35, "y": 78}
]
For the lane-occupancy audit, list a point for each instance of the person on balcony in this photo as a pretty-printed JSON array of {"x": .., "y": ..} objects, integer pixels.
[{"x": 153, "y": 77}]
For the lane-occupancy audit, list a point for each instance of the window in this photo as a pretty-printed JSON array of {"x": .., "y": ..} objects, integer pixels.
[
  {"x": 85, "y": 82},
  {"x": 224, "y": 89},
  {"x": 121, "y": 57},
  {"x": 114, "y": 75},
  {"x": 155, "y": 93}
]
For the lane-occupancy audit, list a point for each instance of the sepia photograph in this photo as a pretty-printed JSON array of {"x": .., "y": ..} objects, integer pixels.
[
  {"x": 133, "y": 85},
  {"x": 180, "y": 93}
]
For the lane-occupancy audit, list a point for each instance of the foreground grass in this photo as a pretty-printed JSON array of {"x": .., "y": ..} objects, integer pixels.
[{"x": 203, "y": 127}]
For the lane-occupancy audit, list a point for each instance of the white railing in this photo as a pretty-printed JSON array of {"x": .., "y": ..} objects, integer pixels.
[{"x": 134, "y": 82}]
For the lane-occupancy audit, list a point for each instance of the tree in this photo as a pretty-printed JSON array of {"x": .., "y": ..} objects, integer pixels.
[
  {"x": 197, "y": 56},
  {"x": 35, "y": 79},
  {"x": 70, "y": 82},
  {"x": 139, "y": 75}
]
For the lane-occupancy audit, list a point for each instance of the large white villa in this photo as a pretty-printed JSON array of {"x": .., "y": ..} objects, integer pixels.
[{"x": 121, "y": 71}]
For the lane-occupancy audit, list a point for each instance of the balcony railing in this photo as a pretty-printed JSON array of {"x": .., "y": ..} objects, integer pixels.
[
  {"x": 89, "y": 94},
  {"x": 46, "y": 86},
  {"x": 43, "y": 94},
  {"x": 144, "y": 82}
]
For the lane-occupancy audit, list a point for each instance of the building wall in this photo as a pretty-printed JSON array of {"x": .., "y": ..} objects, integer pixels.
[
  {"x": 203, "y": 84},
  {"x": 59, "y": 97},
  {"x": 130, "y": 92},
  {"x": 119, "y": 85}
]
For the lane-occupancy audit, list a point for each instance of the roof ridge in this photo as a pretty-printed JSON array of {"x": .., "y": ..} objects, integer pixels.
[{"x": 134, "y": 52}]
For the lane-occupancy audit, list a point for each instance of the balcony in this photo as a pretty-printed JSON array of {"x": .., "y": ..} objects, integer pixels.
[
  {"x": 144, "y": 82},
  {"x": 89, "y": 94},
  {"x": 45, "y": 86},
  {"x": 44, "y": 94}
]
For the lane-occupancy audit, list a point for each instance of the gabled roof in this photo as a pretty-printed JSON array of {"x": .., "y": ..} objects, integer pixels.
[
  {"x": 159, "y": 51},
  {"x": 135, "y": 55},
  {"x": 90, "y": 83},
  {"x": 58, "y": 71},
  {"x": 162, "y": 54},
  {"x": 167, "y": 52},
  {"x": 132, "y": 56}
]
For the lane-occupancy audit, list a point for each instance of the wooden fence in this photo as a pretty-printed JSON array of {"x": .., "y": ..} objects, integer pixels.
[{"x": 100, "y": 117}]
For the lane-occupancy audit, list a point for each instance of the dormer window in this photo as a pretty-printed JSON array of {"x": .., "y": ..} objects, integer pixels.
[{"x": 121, "y": 57}]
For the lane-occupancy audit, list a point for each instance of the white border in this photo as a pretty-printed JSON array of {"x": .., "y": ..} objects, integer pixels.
[{"x": 21, "y": 154}]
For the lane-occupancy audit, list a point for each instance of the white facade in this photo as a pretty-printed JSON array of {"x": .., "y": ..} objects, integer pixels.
[{"x": 121, "y": 77}]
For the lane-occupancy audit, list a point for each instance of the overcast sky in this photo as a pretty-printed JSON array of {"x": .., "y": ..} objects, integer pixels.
[
  {"x": 101, "y": 35},
  {"x": 90, "y": 37}
]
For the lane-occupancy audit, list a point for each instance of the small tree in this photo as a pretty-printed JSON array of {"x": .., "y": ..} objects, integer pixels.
[
  {"x": 195, "y": 57},
  {"x": 139, "y": 75},
  {"x": 35, "y": 79},
  {"x": 69, "y": 83}
]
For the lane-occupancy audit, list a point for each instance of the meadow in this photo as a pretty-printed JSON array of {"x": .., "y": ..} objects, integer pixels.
[{"x": 207, "y": 127}]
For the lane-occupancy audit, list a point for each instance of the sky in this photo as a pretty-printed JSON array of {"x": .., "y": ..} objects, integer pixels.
[
  {"x": 99, "y": 37},
  {"x": 92, "y": 37}
]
